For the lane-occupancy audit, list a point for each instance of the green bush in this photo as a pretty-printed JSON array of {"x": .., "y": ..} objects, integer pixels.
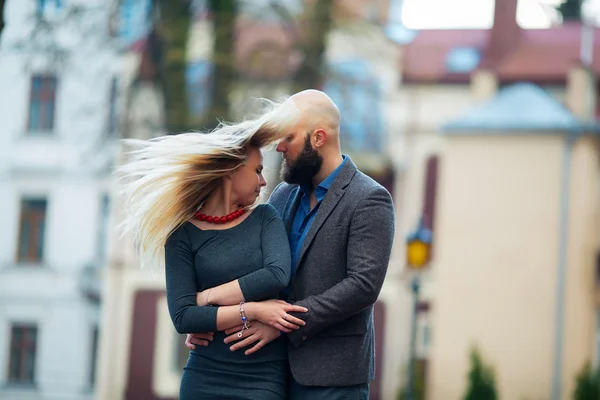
[
  {"x": 482, "y": 383},
  {"x": 587, "y": 386},
  {"x": 420, "y": 375}
]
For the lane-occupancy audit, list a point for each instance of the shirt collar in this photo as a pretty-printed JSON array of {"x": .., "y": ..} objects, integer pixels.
[{"x": 323, "y": 187}]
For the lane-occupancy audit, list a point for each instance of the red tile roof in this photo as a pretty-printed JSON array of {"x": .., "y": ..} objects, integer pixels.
[
  {"x": 424, "y": 59},
  {"x": 541, "y": 55}
]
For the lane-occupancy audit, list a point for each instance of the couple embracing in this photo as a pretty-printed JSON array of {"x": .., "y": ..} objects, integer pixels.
[{"x": 277, "y": 299}]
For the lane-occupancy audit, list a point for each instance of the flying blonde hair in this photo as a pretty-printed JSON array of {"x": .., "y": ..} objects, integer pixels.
[{"x": 167, "y": 178}]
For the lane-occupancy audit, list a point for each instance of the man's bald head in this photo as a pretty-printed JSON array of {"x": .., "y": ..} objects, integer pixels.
[{"x": 318, "y": 111}]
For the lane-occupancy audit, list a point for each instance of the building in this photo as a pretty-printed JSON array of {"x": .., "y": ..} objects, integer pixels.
[
  {"x": 490, "y": 114},
  {"x": 58, "y": 106}
]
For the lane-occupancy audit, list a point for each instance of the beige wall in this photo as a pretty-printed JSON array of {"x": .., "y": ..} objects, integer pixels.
[
  {"x": 584, "y": 233},
  {"x": 497, "y": 247},
  {"x": 413, "y": 115}
]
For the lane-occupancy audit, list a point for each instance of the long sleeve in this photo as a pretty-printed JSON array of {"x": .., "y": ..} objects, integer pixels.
[
  {"x": 276, "y": 272},
  {"x": 369, "y": 248},
  {"x": 181, "y": 288}
]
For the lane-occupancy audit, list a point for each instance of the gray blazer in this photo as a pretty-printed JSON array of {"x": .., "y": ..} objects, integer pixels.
[{"x": 340, "y": 271}]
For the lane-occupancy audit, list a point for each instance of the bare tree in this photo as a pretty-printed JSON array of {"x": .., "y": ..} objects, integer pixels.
[
  {"x": 173, "y": 20},
  {"x": 224, "y": 14},
  {"x": 169, "y": 45},
  {"x": 319, "y": 20},
  {"x": 172, "y": 25}
]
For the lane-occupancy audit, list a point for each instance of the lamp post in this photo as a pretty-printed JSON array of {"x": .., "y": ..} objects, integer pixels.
[{"x": 418, "y": 252}]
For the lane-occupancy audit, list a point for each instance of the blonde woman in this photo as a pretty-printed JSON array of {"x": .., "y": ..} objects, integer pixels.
[{"x": 191, "y": 207}]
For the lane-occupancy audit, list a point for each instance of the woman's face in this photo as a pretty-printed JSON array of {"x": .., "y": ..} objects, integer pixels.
[{"x": 248, "y": 179}]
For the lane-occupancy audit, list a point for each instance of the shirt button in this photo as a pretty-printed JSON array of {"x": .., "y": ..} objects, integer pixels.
[{"x": 303, "y": 337}]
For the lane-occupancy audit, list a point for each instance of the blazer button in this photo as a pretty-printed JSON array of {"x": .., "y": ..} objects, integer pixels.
[{"x": 303, "y": 337}]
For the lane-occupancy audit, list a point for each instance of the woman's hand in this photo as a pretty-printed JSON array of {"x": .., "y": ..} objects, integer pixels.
[
  {"x": 275, "y": 314},
  {"x": 258, "y": 333}
]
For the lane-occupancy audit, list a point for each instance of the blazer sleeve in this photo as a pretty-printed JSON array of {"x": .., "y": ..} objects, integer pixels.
[
  {"x": 181, "y": 288},
  {"x": 277, "y": 198},
  {"x": 369, "y": 249}
]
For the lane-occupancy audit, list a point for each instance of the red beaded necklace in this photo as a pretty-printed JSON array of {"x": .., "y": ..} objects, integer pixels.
[{"x": 220, "y": 220}]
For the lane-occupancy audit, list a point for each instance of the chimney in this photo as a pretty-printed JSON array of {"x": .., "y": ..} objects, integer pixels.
[
  {"x": 504, "y": 35},
  {"x": 502, "y": 39},
  {"x": 484, "y": 84}
]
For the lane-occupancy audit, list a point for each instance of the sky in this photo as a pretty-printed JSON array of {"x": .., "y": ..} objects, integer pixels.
[
  {"x": 531, "y": 14},
  {"x": 444, "y": 14}
]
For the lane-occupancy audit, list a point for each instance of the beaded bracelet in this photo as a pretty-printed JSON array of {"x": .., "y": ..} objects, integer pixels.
[{"x": 244, "y": 317}]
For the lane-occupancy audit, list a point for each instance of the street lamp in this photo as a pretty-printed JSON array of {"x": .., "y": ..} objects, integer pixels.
[{"x": 418, "y": 254}]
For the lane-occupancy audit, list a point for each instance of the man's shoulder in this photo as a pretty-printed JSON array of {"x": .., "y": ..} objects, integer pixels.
[
  {"x": 281, "y": 193},
  {"x": 365, "y": 184}
]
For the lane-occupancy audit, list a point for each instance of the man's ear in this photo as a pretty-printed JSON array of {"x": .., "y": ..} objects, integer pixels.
[{"x": 319, "y": 137}]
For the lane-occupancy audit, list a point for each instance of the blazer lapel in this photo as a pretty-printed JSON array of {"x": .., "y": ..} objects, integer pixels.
[{"x": 331, "y": 200}]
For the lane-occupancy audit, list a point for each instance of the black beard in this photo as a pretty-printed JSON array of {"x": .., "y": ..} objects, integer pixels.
[{"x": 304, "y": 168}]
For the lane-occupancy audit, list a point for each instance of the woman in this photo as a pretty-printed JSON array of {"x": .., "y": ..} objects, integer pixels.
[{"x": 192, "y": 196}]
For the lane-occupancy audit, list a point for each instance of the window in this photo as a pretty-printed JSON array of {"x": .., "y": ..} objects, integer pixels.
[
  {"x": 93, "y": 356},
  {"x": 358, "y": 94},
  {"x": 42, "y": 104},
  {"x": 31, "y": 235},
  {"x": 23, "y": 347},
  {"x": 112, "y": 120},
  {"x": 431, "y": 172},
  {"x": 199, "y": 82},
  {"x": 43, "y": 6}
]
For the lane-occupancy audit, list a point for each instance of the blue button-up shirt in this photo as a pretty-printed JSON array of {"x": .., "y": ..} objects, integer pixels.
[{"x": 304, "y": 215}]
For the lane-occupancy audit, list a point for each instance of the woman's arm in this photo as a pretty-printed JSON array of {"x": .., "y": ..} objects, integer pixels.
[
  {"x": 271, "y": 279},
  {"x": 181, "y": 292}
]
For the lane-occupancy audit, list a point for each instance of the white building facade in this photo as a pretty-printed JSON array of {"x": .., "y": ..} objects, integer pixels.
[{"x": 58, "y": 107}]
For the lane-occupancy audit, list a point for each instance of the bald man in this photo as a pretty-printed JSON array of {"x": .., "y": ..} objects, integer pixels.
[{"x": 340, "y": 226}]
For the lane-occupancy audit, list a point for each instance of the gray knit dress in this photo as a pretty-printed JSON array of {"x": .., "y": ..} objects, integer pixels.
[{"x": 257, "y": 253}]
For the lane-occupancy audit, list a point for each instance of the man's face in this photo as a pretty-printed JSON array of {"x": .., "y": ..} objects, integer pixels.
[{"x": 301, "y": 162}]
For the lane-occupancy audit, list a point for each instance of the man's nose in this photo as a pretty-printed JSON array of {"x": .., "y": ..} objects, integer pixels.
[{"x": 280, "y": 147}]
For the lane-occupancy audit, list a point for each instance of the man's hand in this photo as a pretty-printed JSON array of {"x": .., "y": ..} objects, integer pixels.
[
  {"x": 198, "y": 339},
  {"x": 258, "y": 332},
  {"x": 275, "y": 314}
]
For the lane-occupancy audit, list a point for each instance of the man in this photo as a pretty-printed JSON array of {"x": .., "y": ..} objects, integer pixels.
[{"x": 341, "y": 226}]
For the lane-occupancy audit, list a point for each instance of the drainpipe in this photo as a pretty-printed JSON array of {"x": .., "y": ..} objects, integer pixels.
[{"x": 561, "y": 270}]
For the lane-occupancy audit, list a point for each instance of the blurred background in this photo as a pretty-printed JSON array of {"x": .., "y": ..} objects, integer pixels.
[{"x": 479, "y": 116}]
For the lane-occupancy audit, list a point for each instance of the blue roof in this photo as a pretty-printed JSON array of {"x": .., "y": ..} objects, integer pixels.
[{"x": 519, "y": 107}]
